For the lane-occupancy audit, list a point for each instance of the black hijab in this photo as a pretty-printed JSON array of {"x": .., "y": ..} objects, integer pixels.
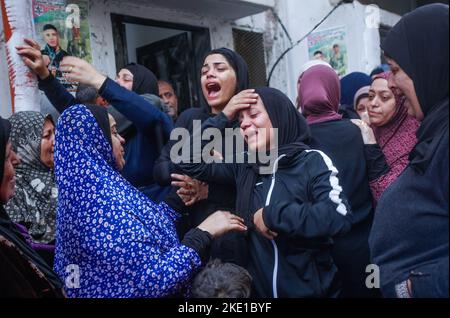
[
  {"x": 293, "y": 137},
  {"x": 9, "y": 231},
  {"x": 239, "y": 65},
  {"x": 144, "y": 81},
  {"x": 5, "y": 129},
  {"x": 101, "y": 115},
  {"x": 419, "y": 44}
]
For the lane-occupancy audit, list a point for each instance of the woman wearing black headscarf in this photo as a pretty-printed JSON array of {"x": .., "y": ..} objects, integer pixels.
[
  {"x": 291, "y": 195},
  {"x": 409, "y": 239},
  {"x": 23, "y": 273},
  {"x": 223, "y": 75}
]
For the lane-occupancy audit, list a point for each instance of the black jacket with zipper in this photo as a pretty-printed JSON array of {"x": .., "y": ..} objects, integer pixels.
[{"x": 303, "y": 202}]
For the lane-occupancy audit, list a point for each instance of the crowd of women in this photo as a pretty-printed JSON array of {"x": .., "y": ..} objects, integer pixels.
[{"x": 94, "y": 206}]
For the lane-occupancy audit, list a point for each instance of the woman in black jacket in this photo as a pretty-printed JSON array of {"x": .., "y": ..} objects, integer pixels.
[
  {"x": 318, "y": 96},
  {"x": 224, "y": 74},
  {"x": 295, "y": 209}
]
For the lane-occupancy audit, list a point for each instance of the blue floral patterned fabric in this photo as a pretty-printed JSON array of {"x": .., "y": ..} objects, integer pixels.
[{"x": 119, "y": 242}]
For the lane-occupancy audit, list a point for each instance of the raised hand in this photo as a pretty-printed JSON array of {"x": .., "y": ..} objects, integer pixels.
[
  {"x": 239, "y": 102},
  {"x": 78, "y": 70},
  {"x": 33, "y": 58},
  {"x": 366, "y": 132}
]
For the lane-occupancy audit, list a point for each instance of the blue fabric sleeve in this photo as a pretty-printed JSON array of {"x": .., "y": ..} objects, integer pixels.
[{"x": 135, "y": 108}]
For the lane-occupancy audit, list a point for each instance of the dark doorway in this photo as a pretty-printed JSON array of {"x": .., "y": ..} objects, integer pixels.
[
  {"x": 173, "y": 52},
  {"x": 169, "y": 60}
]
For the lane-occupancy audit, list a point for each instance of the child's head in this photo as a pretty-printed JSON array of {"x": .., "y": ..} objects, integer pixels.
[{"x": 222, "y": 280}]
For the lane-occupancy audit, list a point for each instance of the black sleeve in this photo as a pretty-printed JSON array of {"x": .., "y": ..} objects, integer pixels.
[
  {"x": 376, "y": 162},
  {"x": 164, "y": 167},
  {"x": 328, "y": 212},
  {"x": 199, "y": 241},
  {"x": 56, "y": 93},
  {"x": 195, "y": 167}
]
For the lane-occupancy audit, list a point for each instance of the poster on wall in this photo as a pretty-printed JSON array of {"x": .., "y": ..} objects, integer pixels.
[
  {"x": 62, "y": 29},
  {"x": 17, "y": 25},
  {"x": 330, "y": 46}
]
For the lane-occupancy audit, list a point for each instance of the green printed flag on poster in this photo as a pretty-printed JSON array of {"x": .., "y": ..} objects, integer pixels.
[
  {"x": 330, "y": 46},
  {"x": 62, "y": 28}
]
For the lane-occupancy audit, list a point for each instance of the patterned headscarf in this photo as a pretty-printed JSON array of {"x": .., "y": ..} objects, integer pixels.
[
  {"x": 399, "y": 121},
  {"x": 124, "y": 244},
  {"x": 34, "y": 204}
]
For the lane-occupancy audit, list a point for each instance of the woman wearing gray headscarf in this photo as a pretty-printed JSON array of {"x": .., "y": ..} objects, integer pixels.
[{"x": 34, "y": 205}]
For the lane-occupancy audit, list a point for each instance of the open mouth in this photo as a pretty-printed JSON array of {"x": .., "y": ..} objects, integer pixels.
[
  {"x": 250, "y": 135},
  {"x": 213, "y": 90}
]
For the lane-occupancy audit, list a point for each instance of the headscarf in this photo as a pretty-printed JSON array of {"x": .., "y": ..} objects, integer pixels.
[
  {"x": 319, "y": 94},
  {"x": 396, "y": 138},
  {"x": 95, "y": 199},
  {"x": 361, "y": 93},
  {"x": 238, "y": 64},
  {"x": 293, "y": 136},
  {"x": 401, "y": 127},
  {"x": 101, "y": 116},
  {"x": 11, "y": 233},
  {"x": 350, "y": 84},
  {"x": 310, "y": 64},
  {"x": 5, "y": 129},
  {"x": 144, "y": 81},
  {"x": 419, "y": 44},
  {"x": 34, "y": 204}
]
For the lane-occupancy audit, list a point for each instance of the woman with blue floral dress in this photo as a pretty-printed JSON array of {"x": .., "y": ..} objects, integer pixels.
[{"x": 112, "y": 241}]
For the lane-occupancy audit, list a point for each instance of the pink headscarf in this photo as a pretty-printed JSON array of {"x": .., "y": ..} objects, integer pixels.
[
  {"x": 319, "y": 94},
  {"x": 397, "y": 138},
  {"x": 385, "y": 133}
]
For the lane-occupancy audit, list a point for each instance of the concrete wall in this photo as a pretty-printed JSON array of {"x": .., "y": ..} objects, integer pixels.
[
  {"x": 5, "y": 94},
  {"x": 298, "y": 16},
  {"x": 362, "y": 41}
]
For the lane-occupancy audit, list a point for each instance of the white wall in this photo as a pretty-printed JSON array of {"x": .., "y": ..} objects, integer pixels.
[
  {"x": 362, "y": 41},
  {"x": 299, "y": 17},
  {"x": 275, "y": 42},
  {"x": 5, "y": 94}
]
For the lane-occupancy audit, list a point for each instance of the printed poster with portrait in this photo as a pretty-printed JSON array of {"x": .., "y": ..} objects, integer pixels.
[
  {"x": 330, "y": 46},
  {"x": 62, "y": 29}
]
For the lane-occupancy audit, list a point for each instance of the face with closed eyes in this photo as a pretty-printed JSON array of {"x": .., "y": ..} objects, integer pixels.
[
  {"x": 400, "y": 80},
  {"x": 117, "y": 144},
  {"x": 48, "y": 143},
  {"x": 8, "y": 183},
  {"x": 256, "y": 127},
  {"x": 125, "y": 79},
  {"x": 363, "y": 109},
  {"x": 218, "y": 81}
]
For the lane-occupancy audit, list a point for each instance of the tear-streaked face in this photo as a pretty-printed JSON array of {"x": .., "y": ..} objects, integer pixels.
[{"x": 256, "y": 127}]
